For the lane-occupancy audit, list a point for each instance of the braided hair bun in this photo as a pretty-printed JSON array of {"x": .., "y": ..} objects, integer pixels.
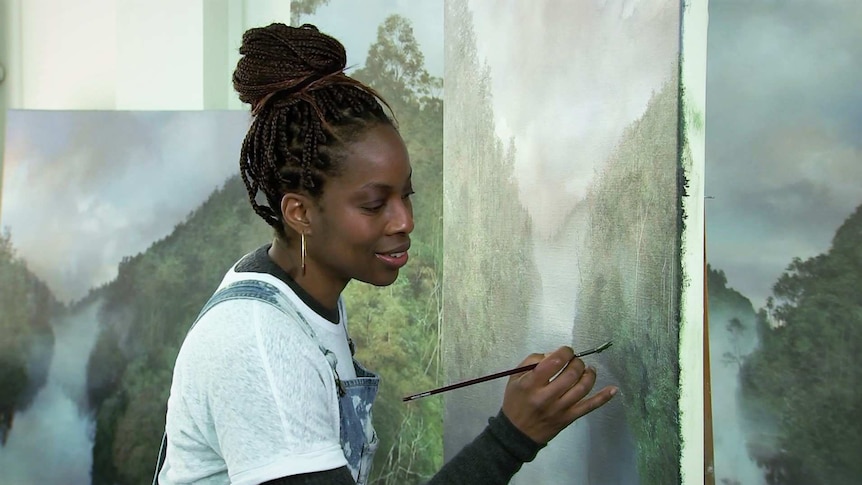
[
  {"x": 284, "y": 59},
  {"x": 305, "y": 109}
]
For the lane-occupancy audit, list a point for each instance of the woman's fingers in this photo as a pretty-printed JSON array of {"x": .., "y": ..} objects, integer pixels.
[
  {"x": 579, "y": 389},
  {"x": 586, "y": 406},
  {"x": 545, "y": 400},
  {"x": 548, "y": 367},
  {"x": 566, "y": 379}
]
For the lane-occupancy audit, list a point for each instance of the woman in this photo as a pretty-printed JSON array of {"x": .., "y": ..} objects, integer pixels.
[{"x": 265, "y": 389}]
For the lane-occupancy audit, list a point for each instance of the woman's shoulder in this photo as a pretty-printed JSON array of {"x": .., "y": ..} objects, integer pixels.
[
  {"x": 244, "y": 323},
  {"x": 245, "y": 346}
]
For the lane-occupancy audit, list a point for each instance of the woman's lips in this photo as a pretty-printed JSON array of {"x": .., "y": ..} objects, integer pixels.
[{"x": 395, "y": 260}]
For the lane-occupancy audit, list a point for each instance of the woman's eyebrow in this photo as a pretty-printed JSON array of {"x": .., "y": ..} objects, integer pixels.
[
  {"x": 386, "y": 187},
  {"x": 376, "y": 186}
]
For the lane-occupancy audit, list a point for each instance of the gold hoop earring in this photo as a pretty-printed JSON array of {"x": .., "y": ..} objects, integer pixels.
[{"x": 302, "y": 252}]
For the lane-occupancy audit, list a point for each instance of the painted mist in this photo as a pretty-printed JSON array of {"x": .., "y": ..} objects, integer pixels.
[
  {"x": 783, "y": 171},
  {"x": 561, "y": 221},
  {"x": 103, "y": 187}
]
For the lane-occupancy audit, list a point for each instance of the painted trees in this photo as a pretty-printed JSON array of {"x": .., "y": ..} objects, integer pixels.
[
  {"x": 397, "y": 329},
  {"x": 805, "y": 376},
  {"x": 26, "y": 308}
]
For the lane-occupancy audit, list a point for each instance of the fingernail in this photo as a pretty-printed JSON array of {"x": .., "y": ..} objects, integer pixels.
[
  {"x": 591, "y": 368},
  {"x": 614, "y": 391}
]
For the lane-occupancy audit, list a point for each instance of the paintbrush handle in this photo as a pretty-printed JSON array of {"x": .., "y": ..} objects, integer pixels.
[
  {"x": 491, "y": 377},
  {"x": 470, "y": 382}
]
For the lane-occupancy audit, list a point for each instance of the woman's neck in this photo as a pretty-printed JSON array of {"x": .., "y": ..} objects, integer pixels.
[{"x": 324, "y": 290}]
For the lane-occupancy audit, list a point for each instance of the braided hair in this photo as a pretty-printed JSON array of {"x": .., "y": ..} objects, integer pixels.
[{"x": 304, "y": 111}]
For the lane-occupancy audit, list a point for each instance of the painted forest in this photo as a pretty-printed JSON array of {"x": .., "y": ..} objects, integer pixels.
[
  {"x": 26, "y": 307},
  {"x": 144, "y": 313},
  {"x": 629, "y": 272},
  {"x": 631, "y": 281},
  {"x": 799, "y": 399}
]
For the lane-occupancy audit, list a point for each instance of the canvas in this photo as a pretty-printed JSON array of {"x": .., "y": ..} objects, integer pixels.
[
  {"x": 783, "y": 217},
  {"x": 119, "y": 225},
  {"x": 564, "y": 181},
  {"x": 86, "y": 195}
]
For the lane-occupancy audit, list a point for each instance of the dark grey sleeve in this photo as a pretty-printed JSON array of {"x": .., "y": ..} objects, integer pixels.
[
  {"x": 339, "y": 476},
  {"x": 492, "y": 458}
]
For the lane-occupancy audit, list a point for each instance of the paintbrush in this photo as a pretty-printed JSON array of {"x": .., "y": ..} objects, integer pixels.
[{"x": 497, "y": 375}]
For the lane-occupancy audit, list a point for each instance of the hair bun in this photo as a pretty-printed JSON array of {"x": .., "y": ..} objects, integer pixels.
[{"x": 280, "y": 58}]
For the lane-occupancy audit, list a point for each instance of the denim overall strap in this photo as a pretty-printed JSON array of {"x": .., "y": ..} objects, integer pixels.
[
  {"x": 265, "y": 292},
  {"x": 358, "y": 439}
]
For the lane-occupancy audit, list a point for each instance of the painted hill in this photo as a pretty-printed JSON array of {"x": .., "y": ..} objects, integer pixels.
[{"x": 26, "y": 309}]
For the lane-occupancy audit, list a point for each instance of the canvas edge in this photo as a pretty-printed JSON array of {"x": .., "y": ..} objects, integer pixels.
[{"x": 692, "y": 109}]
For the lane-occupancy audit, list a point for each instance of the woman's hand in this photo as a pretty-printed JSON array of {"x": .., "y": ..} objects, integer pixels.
[{"x": 541, "y": 407}]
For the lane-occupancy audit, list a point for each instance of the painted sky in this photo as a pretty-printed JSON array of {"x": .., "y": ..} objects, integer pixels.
[
  {"x": 355, "y": 25},
  {"x": 567, "y": 78},
  {"x": 783, "y": 144},
  {"x": 83, "y": 189}
]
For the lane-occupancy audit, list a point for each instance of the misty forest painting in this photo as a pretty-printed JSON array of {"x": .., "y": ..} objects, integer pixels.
[
  {"x": 562, "y": 221},
  {"x": 90, "y": 201},
  {"x": 784, "y": 241},
  {"x": 118, "y": 226}
]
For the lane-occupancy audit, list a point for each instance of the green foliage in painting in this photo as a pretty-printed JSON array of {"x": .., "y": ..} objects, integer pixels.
[
  {"x": 395, "y": 67},
  {"x": 397, "y": 329},
  {"x": 732, "y": 322},
  {"x": 146, "y": 312},
  {"x": 804, "y": 378},
  {"x": 158, "y": 293},
  {"x": 489, "y": 271},
  {"x": 732, "y": 337},
  {"x": 630, "y": 287},
  {"x": 26, "y": 308}
]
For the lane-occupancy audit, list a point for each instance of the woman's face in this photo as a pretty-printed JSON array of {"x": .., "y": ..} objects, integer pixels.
[{"x": 361, "y": 224}]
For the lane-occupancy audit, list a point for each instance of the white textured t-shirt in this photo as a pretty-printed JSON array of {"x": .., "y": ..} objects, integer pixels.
[{"x": 253, "y": 398}]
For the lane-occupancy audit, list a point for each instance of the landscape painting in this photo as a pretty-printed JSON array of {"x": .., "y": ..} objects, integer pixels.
[
  {"x": 784, "y": 241},
  {"x": 563, "y": 188},
  {"x": 95, "y": 293}
]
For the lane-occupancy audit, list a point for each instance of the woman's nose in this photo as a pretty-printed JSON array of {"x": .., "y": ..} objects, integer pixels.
[{"x": 402, "y": 219}]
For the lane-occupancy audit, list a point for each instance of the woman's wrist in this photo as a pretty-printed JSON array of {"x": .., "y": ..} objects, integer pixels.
[{"x": 513, "y": 439}]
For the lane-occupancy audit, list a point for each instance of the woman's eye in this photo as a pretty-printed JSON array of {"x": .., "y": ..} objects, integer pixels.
[{"x": 373, "y": 207}]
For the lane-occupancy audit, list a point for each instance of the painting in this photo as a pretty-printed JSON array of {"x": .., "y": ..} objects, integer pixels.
[
  {"x": 117, "y": 227},
  {"x": 564, "y": 181},
  {"x": 783, "y": 229},
  {"x": 86, "y": 197}
]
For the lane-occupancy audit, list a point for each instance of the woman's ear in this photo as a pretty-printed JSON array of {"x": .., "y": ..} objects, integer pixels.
[{"x": 295, "y": 212}]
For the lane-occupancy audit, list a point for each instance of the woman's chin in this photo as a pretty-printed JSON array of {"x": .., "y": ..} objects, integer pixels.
[{"x": 382, "y": 280}]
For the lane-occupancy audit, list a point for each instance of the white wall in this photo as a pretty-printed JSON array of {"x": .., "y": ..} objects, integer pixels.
[
  {"x": 126, "y": 54},
  {"x": 158, "y": 54},
  {"x": 63, "y": 55}
]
